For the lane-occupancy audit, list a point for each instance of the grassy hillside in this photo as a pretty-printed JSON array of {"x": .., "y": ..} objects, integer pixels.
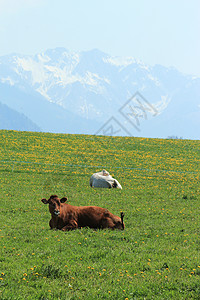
[{"x": 156, "y": 257}]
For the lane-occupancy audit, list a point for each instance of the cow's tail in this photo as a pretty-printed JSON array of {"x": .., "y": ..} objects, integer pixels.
[{"x": 122, "y": 218}]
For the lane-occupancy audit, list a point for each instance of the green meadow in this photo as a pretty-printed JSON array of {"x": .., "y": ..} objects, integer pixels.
[{"x": 157, "y": 255}]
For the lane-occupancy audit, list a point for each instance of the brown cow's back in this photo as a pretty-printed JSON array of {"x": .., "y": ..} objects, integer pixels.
[
  {"x": 84, "y": 215},
  {"x": 91, "y": 216},
  {"x": 97, "y": 217}
]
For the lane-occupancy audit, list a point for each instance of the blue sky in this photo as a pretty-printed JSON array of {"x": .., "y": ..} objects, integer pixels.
[{"x": 163, "y": 32}]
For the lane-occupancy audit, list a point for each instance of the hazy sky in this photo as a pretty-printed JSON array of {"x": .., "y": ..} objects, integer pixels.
[{"x": 163, "y": 32}]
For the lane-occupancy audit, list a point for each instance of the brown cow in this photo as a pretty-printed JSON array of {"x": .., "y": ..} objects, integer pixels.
[{"x": 67, "y": 217}]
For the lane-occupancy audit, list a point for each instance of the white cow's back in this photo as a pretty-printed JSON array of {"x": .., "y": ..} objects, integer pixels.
[{"x": 104, "y": 180}]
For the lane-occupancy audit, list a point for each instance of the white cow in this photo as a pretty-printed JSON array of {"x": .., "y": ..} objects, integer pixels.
[{"x": 104, "y": 180}]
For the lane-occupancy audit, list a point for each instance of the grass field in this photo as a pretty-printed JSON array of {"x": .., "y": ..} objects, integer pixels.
[{"x": 157, "y": 255}]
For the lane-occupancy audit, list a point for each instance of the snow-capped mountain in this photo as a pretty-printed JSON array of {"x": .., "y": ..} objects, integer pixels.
[{"x": 93, "y": 92}]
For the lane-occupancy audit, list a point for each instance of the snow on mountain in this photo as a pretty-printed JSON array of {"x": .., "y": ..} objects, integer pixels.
[{"x": 90, "y": 87}]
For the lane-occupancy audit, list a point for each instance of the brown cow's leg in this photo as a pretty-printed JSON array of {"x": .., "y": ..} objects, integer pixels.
[
  {"x": 118, "y": 225},
  {"x": 107, "y": 223},
  {"x": 52, "y": 224},
  {"x": 70, "y": 226}
]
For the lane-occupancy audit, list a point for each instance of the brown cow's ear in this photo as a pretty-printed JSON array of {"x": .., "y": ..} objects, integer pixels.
[
  {"x": 45, "y": 201},
  {"x": 64, "y": 199}
]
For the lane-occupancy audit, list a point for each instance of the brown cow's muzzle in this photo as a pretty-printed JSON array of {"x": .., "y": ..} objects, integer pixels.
[{"x": 56, "y": 212}]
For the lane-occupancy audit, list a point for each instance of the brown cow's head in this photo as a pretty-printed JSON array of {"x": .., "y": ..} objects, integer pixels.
[{"x": 54, "y": 204}]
